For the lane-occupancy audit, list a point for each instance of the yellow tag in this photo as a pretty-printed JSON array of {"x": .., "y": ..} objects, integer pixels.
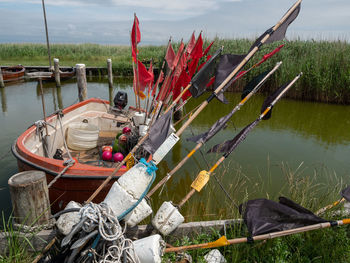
[
  {"x": 200, "y": 181},
  {"x": 222, "y": 241},
  {"x": 130, "y": 162}
]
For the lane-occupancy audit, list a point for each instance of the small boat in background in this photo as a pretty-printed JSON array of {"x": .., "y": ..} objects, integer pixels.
[
  {"x": 83, "y": 178},
  {"x": 65, "y": 74},
  {"x": 13, "y": 73}
]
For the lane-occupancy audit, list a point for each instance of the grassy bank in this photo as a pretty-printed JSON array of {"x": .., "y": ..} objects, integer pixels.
[
  {"x": 326, "y": 245},
  {"x": 326, "y": 65}
]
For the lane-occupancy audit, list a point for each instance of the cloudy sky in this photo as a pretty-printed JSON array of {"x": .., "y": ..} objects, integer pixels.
[{"x": 110, "y": 21}]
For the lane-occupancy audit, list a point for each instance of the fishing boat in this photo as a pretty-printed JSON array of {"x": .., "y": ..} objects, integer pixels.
[
  {"x": 65, "y": 74},
  {"x": 80, "y": 180},
  {"x": 13, "y": 73}
]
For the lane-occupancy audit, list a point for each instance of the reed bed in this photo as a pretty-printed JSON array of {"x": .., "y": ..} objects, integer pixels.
[{"x": 325, "y": 64}]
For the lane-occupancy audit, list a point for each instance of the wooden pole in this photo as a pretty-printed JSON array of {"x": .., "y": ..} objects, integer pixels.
[
  {"x": 43, "y": 103},
  {"x": 3, "y": 100},
  {"x": 30, "y": 198},
  {"x": 2, "y": 85},
  {"x": 224, "y": 242},
  {"x": 47, "y": 35},
  {"x": 81, "y": 81},
  {"x": 110, "y": 73},
  {"x": 56, "y": 66}
]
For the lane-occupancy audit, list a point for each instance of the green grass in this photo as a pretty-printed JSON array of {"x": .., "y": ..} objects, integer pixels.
[
  {"x": 325, "y": 64},
  {"x": 326, "y": 245}
]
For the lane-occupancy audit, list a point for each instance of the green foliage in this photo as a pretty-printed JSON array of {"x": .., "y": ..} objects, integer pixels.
[{"x": 325, "y": 64}]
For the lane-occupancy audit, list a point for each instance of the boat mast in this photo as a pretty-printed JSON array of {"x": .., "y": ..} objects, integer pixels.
[{"x": 47, "y": 34}]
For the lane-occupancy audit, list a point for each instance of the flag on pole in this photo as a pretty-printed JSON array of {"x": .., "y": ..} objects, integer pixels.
[
  {"x": 170, "y": 57},
  {"x": 206, "y": 51},
  {"x": 145, "y": 77},
  {"x": 267, "y": 56},
  {"x": 135, "y": 37},
  {"x": 191, "y": 44},
  {"x": 270, "y": 99},
  {"x": 280, "y": 33},
  {"x": 197, "y": 51},
  {"x": 158, "y": 132},
  {"x": 346, "y": 193},
  {"x": 251, "y": 84},
  {"x": 201, "y": 79},
  {"x": 264, "y": 216}
]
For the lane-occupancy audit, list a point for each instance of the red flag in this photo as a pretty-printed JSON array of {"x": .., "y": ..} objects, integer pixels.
[
  {"x": 182, "y": 82},
  {"x": 170, "y": 57},
  {"x": 197, "y": 51},
  {"x": 186, "y": 95},
  {"x": 191, "y": 44},
  {"x": 145, "y": 77},
  {"x": 207, "y": 49},
  {"x": 240, "y": 74},
  {"x": 159, "y": 80},
  {"x": 135, "y": 37},
  {"x": 178, "y": 54},
  {"x": 267, "y": 56},
  {"x": 181, "y": 65}
]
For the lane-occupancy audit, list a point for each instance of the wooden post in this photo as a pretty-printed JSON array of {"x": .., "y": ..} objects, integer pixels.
[
  {"x": 110, "y": 73},
  {"x": 81, "y": 81},
  {"x": 57, "y": 71},
  {"x": 30, "y": 198},
  {"x": 2, "y": 85}
]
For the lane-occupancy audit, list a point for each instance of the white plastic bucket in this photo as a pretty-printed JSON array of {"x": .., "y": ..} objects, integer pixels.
[
  {"x": 167, "y": 218},
  {"x": 82, "y": 136},
  {"x": 150, "y": 249},
  {"x": 138, "y": 118}
]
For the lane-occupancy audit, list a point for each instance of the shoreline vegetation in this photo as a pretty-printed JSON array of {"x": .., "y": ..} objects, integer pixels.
[{"x": 325, "y": 64}]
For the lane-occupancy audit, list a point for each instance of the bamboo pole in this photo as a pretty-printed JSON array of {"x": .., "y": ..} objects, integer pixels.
[
  {"x": 213, "y": 168},
  {"x": 224, "y": 242},
  {"x": 137, "y": 68},
  {"x": 200, "y": 144}
]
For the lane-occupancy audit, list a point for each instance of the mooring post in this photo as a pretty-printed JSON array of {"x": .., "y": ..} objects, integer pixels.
[
  {"x": 110, "y": 73},
  {"x": 81, "y": 81},
  {"x": 30, "y": 198},
  {"x": 2, "y": 85},
  {"x": 57, "y": 71}
]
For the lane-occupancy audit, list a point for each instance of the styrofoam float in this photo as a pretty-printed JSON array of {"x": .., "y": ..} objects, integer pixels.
[
  {"x": 66, "y": 222},
  {"x": 150, "y": 249}
]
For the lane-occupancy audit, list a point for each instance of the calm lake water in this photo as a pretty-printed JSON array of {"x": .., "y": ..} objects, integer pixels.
[{"x": 315, "y": 135}]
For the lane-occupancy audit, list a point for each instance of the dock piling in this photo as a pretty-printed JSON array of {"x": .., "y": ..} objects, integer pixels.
[
  {"x": 2, "y": 85},
  {"x": 81, "y": 81},
  {"x": 30, "y": 198},
  {"x": 57, "y": 71},
  {"x": 110, "y": 73}
]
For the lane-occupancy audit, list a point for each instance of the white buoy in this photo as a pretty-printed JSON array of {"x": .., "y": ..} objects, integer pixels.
[
  {"x": 66, "y": 222},
  {"x": 135, "y": 180},
  {"x": 141, "y": 211},
  {"x": 214, "y": 256},
  {"x": 118, "y": 199},
  {"x": 143, "y": 130},
  {"x": 150, "y": 249},
  {"x": 138, "y": 118},
  {"x": 167, "y": 219}
]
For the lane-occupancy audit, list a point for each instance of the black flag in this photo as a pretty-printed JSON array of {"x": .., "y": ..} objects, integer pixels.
[
  {"x": 227, "y": 64},
  {"x": 253, "y": 83},
  {"x": 200, "y": 80},
  {"x": 158, "y": 132},
  {"x": 265, "y": 216},
  {"x": 280, "y": 33},
  {"x": 346, "y": 193},
  {"x": 267, "y": 102},
  {"x": 228, "y": 146}
]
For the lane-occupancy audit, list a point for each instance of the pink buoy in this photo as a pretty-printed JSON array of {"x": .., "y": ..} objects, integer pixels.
[
  {"x": 126, "y": 130},
  {"x": 123, "y": 167},
  {"x": 118, "y": 157},
  {"x": 107, "y": 156}
]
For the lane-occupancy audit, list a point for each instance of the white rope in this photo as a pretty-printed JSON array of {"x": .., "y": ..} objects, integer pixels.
[{"x": 102, "y": 217}]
